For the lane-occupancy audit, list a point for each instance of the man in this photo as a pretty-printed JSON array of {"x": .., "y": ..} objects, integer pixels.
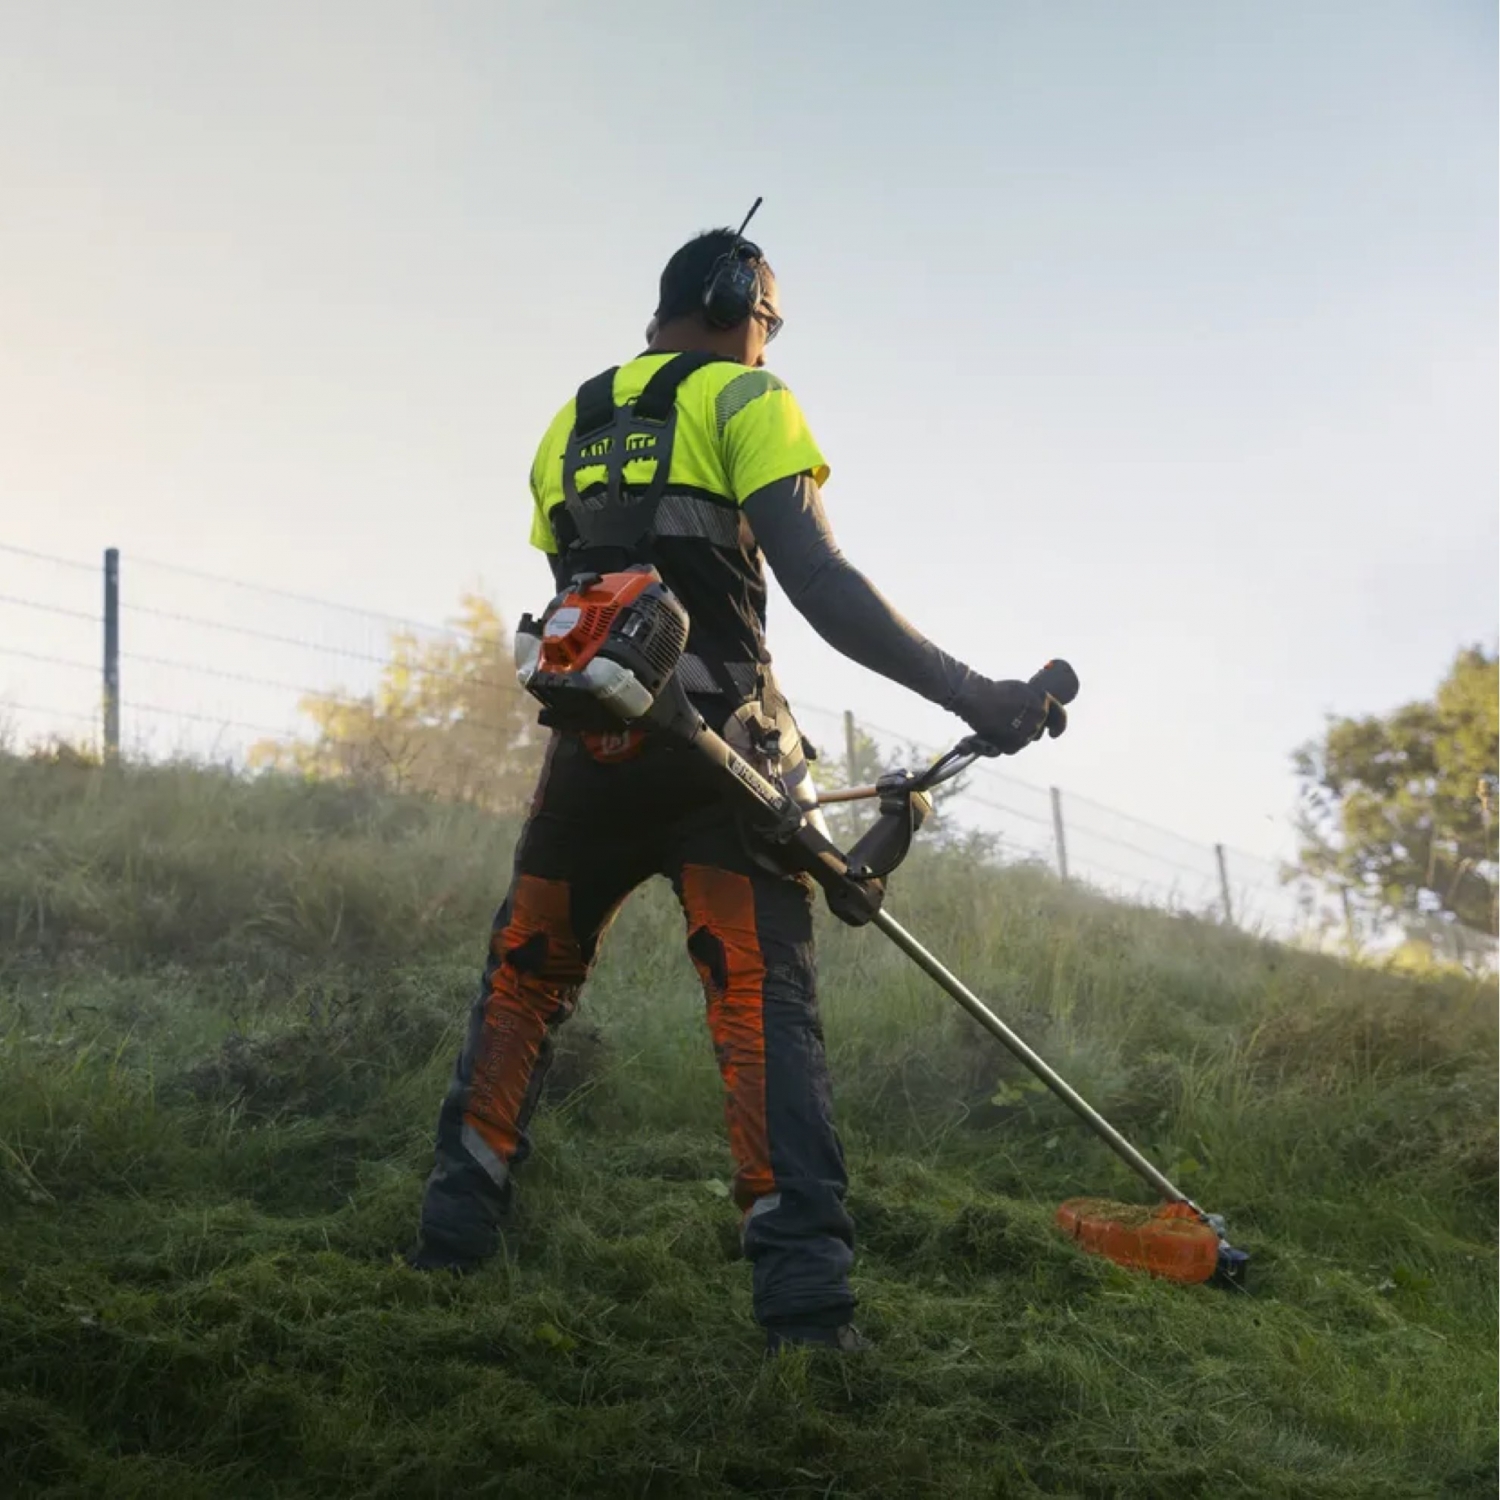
[{"x": 733, "y": 478}]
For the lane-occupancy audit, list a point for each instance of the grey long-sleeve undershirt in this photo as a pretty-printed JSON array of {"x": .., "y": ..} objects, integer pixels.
[{"x": 839, "y": 602}]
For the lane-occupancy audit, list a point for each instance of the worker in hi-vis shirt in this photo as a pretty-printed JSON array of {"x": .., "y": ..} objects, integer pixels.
[{"x": 743, "y": 488}]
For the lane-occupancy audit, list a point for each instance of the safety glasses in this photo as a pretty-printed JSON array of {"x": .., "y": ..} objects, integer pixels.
[{"x": 769, "y": 320}]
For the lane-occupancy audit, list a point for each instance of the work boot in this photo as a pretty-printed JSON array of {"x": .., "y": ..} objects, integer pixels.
[
  {"x": 843, "y": 1339},
  {"x": 438, "y": 1257}
]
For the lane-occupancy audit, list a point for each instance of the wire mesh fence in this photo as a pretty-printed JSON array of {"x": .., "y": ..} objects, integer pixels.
[
  {"x": 212, "y": 666},
  {"x": 1114, "y": 852},
  {"x": 216, "y": 669}
]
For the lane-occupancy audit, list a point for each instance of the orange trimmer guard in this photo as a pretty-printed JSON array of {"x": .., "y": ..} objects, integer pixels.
[{"x": 1170, "y": 1240}]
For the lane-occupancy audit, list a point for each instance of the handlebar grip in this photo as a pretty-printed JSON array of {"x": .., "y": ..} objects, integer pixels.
[{"x": 1058, "y": 680}]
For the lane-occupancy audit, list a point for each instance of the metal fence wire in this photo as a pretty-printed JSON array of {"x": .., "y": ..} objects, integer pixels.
[{"x": 209, "y": 665}]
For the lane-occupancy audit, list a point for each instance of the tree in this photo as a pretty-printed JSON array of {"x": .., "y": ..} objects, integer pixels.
[
  {"x": 1397, "y": 813},
  {"x": 447, "y": 719}
]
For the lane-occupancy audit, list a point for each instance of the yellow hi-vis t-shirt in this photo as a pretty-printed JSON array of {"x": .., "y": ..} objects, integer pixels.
[{"x": 738, "y": 430}]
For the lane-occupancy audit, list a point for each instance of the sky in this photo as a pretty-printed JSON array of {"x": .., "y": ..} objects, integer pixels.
[{"x": 1161, "y": 337}]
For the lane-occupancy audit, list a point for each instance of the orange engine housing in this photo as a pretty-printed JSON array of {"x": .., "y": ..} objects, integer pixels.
[{"x": 574, "y": 631}]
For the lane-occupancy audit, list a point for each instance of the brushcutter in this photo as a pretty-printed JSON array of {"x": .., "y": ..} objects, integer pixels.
[{"x": 603, "y": 657}]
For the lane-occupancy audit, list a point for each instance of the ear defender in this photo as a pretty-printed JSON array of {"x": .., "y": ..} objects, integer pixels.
[{"x": 733, "y": 288}]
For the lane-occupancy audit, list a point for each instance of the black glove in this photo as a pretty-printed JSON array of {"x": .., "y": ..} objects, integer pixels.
[{"x": 1010, "y": 715}]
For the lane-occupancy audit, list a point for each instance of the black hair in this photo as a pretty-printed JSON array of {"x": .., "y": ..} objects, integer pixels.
[{"x": 685, "y": 276}]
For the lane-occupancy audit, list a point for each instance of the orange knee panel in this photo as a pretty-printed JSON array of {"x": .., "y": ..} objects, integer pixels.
[
  {"x": 723, "y": 903},
  {"x": 535, "y": 971}
]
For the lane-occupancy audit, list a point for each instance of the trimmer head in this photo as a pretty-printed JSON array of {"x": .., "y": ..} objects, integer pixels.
[{"x": 1176, "y": 1241}]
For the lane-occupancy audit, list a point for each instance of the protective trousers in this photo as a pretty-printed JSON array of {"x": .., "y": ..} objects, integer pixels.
[{"x": 598, "y": 828}]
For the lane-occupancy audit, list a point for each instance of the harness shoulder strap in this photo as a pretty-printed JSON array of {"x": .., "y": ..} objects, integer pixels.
[
  {"x": 657, "y": 401},
  {"x": 610, "y": 513},
  {"x": 595, "y": 406}
]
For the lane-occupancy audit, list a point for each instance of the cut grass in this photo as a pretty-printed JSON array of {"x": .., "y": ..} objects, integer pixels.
[{"x": 227, "y": 1012}]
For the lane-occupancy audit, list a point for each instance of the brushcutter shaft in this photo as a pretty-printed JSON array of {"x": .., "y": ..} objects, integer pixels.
[{"x": 1001, "y": 1032}]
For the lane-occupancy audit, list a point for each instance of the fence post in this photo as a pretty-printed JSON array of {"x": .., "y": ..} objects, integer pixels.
[
  {"x": 111, "y": 654},
  {"x": 1057, "y": 833},
  {"x": 1224, "y": 885}
]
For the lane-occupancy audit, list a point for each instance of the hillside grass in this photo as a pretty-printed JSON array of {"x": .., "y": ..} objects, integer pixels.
[{"x": 227, "y": 1013}]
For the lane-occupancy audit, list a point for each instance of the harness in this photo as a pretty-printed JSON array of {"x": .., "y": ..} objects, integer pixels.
[
  {"x": 610, "y": 512},
  {"x": 612, "y": 519}
]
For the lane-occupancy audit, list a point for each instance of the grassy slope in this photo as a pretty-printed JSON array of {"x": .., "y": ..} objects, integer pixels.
[{"x": 226, "y": 1013}]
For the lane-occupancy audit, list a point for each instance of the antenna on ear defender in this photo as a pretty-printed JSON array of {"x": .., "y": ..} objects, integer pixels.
[
  {"x": 733, "y": 286},
  {"x": 739, "y": 233}
]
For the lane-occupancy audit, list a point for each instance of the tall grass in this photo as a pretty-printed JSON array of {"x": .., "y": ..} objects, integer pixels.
[{"x": 226, "y": 1014}]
